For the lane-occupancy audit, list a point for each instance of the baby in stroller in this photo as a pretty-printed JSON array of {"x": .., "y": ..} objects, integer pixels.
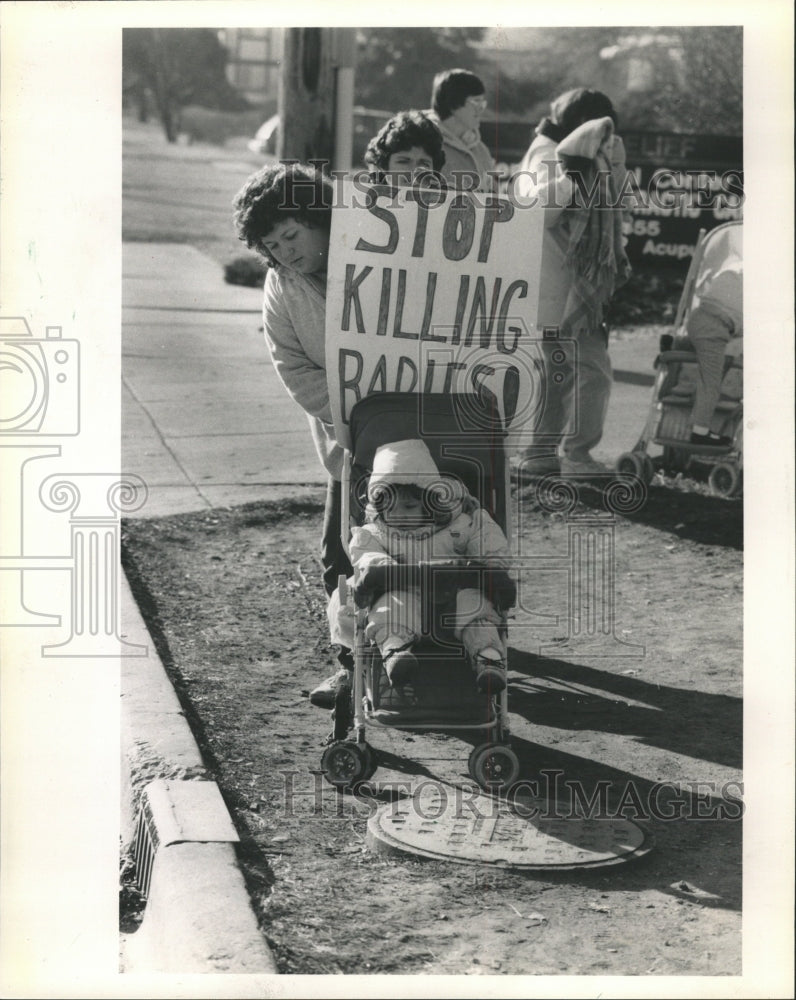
[{"x": 414, "y": 514}]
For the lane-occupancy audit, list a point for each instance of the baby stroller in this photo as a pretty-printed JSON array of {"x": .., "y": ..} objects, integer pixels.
[
  {"x": 668, "y": 423},
  {"x": 465, "y": 436}
]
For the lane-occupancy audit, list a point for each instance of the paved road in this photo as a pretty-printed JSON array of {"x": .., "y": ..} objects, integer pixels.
[{"x": 206, "y": 422}]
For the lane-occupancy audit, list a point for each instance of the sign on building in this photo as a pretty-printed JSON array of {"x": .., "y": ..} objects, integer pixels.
[
  {"x": 687, "y": 183},
  {"x": 690, "y": 182}
]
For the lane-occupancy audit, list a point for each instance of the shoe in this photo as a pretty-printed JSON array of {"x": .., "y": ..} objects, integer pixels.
[
  {"x": 711, "y": 440},
  {"x": 325, "y": 694},
  {"x": 587, "y": 467},
  {"x": 490, "y": 672},
  {"x": 400, "y": 665},
  {"x": 529, "y": 469}
]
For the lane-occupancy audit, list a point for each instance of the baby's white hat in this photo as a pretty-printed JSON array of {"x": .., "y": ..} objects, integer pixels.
[{"x": 404, "y": 463}]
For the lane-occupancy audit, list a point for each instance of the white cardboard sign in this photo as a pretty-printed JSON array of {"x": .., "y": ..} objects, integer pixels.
[{"x": 431, "y": 291}]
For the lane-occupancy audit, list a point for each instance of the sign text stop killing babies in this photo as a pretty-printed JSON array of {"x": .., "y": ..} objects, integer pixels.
[{"x": 429, "y": 291}]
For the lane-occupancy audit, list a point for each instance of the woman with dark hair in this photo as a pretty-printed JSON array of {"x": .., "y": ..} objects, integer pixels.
[
  {"x": 284, "y": 213},
  {"x": 573, "y": 108},
  {"x": 575, "y": 151},
  {"x": 405, "y": 149},
  {"x": 458, "y": 102}
]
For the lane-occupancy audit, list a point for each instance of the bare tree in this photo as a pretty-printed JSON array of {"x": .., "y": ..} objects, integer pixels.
[{"x": 176, "y": 66}]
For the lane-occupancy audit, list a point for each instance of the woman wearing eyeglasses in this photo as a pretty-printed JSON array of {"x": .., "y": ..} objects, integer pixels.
[{"x": 458, "y": 102}]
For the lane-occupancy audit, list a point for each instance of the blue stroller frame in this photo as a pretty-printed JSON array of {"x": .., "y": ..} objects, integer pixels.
[{"x": 465, "y": 435}]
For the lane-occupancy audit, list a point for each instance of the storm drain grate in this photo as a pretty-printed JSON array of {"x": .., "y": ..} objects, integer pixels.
[
  {"x": 177, "y": 812},
  {"x": 146, "y": 844}
]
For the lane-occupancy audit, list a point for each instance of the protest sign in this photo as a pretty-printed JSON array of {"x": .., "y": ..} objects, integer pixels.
[{"x": 431, "y": 291}]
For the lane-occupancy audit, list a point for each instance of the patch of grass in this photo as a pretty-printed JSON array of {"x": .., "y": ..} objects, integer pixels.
[
  {"x": 246, "y": 270},
  {"x": 650, "y": 296},
  {"x": 215, "y": 127}
]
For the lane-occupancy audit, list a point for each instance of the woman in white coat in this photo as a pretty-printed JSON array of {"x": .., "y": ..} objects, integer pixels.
[{"x": 575, "y": 168}]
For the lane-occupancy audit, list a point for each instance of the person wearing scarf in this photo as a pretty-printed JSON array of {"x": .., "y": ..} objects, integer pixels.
[{"x": 575, "y": 167}]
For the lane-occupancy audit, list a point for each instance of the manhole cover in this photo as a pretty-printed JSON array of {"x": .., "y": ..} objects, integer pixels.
[{"x": 459, "y": 824}]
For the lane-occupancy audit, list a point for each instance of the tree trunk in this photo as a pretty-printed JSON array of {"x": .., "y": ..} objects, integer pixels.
[
  {"x": 162, "y": 85},
  {"x": 306, "y": 96}
]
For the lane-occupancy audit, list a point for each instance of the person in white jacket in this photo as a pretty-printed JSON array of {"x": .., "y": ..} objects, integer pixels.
[
  {"x": 583, "y": 262},
  {"x": 415, "y": 514}
]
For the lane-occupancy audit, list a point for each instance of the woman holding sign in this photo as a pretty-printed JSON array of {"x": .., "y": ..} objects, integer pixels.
[
  {"x": 284, "y": 213},
  {"x": 408, "y": 148}
]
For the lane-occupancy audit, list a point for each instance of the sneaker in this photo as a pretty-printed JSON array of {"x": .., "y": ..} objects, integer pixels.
[
  {"x": 400, "y": 665},
  {"x": 490, "y": 672},
  {"x": 710, "y": 440},
  {"x": 587, "y": 467},
  {"x": 529, "y": 469},
  {"x": 325, "y": 694}
]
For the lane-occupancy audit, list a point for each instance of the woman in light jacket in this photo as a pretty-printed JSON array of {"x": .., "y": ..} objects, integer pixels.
[
  {"x": 583, "y": 262},
  {"x": 458, "y": 102},
  {"x": 284, "y": 213}
]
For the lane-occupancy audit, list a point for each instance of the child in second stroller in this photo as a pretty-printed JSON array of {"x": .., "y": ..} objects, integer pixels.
[
  {"x": 413, "y": 515},
  {"x": 717, "y": 319}
]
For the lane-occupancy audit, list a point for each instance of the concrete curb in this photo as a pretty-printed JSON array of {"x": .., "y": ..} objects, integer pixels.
[{"x": 198, "y": 917}]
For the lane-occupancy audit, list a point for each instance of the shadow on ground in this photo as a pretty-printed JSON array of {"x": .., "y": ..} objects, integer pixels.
[{"x": 551, "y": 693}]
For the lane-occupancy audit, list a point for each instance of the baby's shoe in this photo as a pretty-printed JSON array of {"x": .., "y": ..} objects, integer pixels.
[
  {"x": 400, "y": 663},
  {"x": 710, "y": 440},
  {"x": 325, "y": 694},
  {"x": 490, "y": 671}
]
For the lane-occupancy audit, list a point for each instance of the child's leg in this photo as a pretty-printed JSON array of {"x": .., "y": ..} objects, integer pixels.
[
  {"x": 341, "y": 621},
  {"x": 482, "y": 637},
  {"x": 477, "y": 622},
  {"x": 394, "y": 623},
  {"x": 341, "y": 635},
  {"x": 709, "y": 335}
]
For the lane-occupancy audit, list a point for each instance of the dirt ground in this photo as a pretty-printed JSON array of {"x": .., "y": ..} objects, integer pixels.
[{"x": 233, "y": 600}]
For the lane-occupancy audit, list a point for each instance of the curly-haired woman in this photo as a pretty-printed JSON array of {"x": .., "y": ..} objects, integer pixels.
[
  {"x": 407, "y": 148},
  {"x": 284, "y": 213}
]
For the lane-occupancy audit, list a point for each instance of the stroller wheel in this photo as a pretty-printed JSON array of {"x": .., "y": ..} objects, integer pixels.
[
  {"x": 724, "y": 480},
  {"x": 494, "y": 766},
  {"x": 345, "y": 764}
]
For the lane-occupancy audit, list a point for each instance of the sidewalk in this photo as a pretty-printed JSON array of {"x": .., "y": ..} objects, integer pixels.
[
  {"x": 205, "y": 420},
  {"x": 205, "y": 423}
]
